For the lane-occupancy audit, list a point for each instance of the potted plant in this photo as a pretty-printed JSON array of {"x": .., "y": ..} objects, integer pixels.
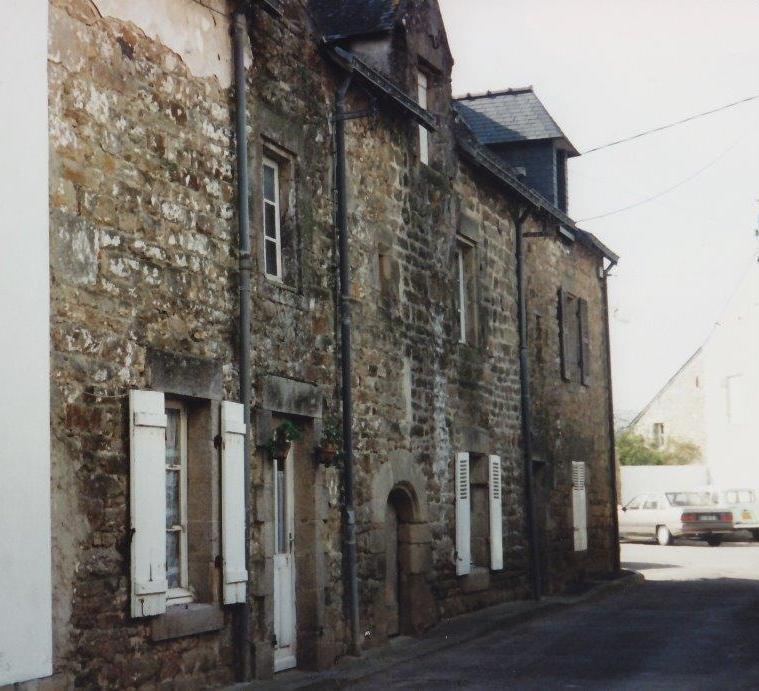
[
  {"x": 329, "y": 448},
  {"x": 282, "y": 439}
]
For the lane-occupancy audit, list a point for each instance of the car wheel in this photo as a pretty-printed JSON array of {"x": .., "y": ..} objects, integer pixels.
[
  {"x": 713, "y": 540},
  {"x": 755, "y": 535},
  {"x": 663, "y": 536}
]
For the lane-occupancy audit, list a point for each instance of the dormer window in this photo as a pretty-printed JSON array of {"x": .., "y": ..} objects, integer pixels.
[
  {"x": 424, "y": 145},
  {"x": 561, "y": 179}
]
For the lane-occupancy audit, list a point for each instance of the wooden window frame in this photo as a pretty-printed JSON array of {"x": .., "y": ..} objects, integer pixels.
[
  {"x": 182, "y": 594},
  {"x": 277, "y": 239}
]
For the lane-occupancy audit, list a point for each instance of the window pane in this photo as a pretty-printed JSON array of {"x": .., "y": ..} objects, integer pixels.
[
  {"x": 269, "y": 183},
  {"x": 270, "y": 221},
  {"x": 172, "y": 436},
  {"x": 271, "y": 257},
  {"x": 281, "y": 510},
  {"x": 173, "y": 513},
  {"x": 172, "y": 559}
]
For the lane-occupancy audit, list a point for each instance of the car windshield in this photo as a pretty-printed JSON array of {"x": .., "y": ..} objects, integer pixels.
[{"x": 690, "y": 498}]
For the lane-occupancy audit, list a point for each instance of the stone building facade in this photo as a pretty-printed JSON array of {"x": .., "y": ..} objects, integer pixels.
[{"x": 145, "y": 345}]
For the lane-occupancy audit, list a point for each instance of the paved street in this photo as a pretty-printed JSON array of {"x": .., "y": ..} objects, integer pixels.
[{"x": 693, "y": 625}]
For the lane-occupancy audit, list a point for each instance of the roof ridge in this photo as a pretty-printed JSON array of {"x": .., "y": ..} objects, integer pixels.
[{"x": 489, "y": 94}]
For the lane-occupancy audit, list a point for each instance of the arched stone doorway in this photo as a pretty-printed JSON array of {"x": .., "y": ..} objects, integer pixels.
[{"x": 409, "y": 606}]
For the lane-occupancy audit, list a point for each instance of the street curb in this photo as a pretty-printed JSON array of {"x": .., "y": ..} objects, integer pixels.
[{"x": 447, "y": 634}]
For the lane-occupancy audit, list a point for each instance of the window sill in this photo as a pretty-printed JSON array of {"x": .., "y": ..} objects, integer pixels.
[
  {"x": 186, "y": 620},
  {"x": 282, "y": 294}
]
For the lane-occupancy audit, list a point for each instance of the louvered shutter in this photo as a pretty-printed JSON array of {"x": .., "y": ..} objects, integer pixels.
[
  {"x": 463, "y": 523},
  {"x": 147, "y": 491},
  {"x": 579, "y": 507},
  {"x": 233, "y": 501},
  {"x": 584, "y": 342},
  {"x": 564, "y": 335},
  {"x": 496, "y": 514}
]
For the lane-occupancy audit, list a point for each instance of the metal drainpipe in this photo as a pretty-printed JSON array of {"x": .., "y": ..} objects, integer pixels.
[
  {"x": 524, "y": 381},
  {"x": 239, "y": 30},
  {"x": 612, "y": 440},
  {"x": 341, "y": 220}
]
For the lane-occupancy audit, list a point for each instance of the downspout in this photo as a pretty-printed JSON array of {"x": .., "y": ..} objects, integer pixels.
[
  {"x": 612, "y": 440},
  {"x": 239, "y": 31},
  {"x": 524, "y": 383},
  {"x": 341, "y": 221}
]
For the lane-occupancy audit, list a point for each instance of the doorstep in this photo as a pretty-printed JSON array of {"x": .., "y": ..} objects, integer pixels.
[{"x": 447, "y": 634}]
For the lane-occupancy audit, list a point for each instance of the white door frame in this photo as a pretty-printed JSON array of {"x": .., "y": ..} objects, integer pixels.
[{"x": 284, "y": 656}]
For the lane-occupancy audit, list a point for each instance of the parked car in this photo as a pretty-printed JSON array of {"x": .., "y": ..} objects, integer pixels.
[
  {"x": 742, "y": 502},
  {"x": 664, "y": 516}
]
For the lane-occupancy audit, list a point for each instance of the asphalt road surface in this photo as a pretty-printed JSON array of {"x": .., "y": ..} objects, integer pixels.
[{"x": 694, "y": 624}]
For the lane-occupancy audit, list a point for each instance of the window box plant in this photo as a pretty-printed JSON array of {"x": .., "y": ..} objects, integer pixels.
[
  {"x": 282, "y": 439},
  {"x": 329, "y": 448}
]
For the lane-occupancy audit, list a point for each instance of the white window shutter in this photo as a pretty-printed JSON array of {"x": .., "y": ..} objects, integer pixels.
[
  {"x": 233, "y": 501},
  {"x": 463, "y": 523},
  {"x": 579, "y": 507},
  {"x": 496, "y": 514},
  {"x": 147, "y": 491}
]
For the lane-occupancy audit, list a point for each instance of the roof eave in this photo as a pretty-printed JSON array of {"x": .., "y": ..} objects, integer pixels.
[
  {"x": 351, "y": 62},
  {"x": 590, "y": 240}
]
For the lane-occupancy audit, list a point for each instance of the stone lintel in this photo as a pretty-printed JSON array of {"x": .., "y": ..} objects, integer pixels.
[
  {"x": 475, "y": 440},
  {"x": 290, "y": 397},
  {"x": 469, "y": 227},
  {"x": 185, "y": 375}
]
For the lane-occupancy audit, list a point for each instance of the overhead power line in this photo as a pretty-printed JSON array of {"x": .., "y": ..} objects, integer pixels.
[
  {"x": 653, "y": 197},
  {"x": 671, "y": 124}
]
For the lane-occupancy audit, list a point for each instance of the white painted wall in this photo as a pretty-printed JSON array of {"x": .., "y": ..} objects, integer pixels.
[
  {"x": 197, "y": 32},
  {"x": 25, "y": 591},
  {"x": 731, "y": 368}
]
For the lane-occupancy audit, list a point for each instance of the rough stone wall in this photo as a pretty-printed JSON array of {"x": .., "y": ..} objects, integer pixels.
[
  {"x": 141, "y": 226},
  {"x": 570, "y": 420}
]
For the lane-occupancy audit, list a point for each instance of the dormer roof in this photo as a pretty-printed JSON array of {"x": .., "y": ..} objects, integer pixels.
[
  {"x": 509, "y": 116},
  {"x": 338, "y": 19}
]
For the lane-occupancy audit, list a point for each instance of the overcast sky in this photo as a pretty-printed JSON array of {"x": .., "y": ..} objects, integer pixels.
[{"x": 606, "y": 70}]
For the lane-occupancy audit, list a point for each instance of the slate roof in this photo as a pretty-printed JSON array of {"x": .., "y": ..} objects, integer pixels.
[
  {"x": 344, "y": 18},
  {"x": 514, "y": 115}
]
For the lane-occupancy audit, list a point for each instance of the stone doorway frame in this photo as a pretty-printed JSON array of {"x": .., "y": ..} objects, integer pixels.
[{"x": 402, "y": 478}]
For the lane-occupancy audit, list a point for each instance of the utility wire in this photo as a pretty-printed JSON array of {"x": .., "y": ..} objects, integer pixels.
[
  {"x": 672, "y": 124},
  {"x": 653, "y": 197}
]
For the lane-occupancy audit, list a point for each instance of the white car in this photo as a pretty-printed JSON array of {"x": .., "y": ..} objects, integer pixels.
[
  {"x": 743, "y": 504},
  {"x": 665, "y": 516}
]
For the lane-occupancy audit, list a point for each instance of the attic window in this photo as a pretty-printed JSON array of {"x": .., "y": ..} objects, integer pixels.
[{"x": 424, "y": 146}]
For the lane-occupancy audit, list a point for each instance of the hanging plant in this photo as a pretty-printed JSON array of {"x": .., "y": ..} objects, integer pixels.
[
  {"x": 329, "y": 448},
  {"x": 282, "y": 439}
]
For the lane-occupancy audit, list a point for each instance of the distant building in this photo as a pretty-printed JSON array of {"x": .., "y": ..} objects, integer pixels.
[{"x": 709, "y": 400}]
